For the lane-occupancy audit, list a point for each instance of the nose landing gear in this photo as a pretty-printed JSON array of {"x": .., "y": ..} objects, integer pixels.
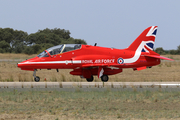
[{"x": 36, "y": 78}]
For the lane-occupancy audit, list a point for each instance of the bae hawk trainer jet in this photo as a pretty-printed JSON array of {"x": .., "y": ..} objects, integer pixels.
[{"x": 87, "y": 61}]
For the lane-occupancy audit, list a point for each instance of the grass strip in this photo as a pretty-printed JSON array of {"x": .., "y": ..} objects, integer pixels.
[{"x": 89, "y": 105}]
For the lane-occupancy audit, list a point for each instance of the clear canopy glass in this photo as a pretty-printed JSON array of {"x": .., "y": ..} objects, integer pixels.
[
  {"x": 60, "y": 49},
  {"x": 55, "y": 50},
  {"x": 43, "y": 54}
]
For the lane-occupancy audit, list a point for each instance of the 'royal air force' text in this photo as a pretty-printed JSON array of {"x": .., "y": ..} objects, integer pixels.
[{"x": 98, "y": 61}]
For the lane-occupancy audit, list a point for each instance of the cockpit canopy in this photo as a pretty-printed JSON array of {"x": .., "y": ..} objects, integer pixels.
[{"x": 59, "y": 49}]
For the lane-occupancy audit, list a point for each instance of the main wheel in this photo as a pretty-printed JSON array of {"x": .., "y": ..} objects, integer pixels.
[
  {"x": 37, "y": 79},
  {"x": 104, "y": 78},
  {"x": 90, "y": 79}
]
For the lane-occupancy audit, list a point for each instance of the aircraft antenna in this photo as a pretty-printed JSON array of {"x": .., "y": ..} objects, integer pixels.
[{"x": 95, "y": 44}]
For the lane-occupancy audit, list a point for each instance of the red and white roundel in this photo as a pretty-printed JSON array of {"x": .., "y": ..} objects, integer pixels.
[{"x": 120, "y": 61}]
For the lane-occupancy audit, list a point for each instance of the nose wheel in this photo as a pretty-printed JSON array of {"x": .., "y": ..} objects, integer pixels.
[{"x": 36, "y": 78}]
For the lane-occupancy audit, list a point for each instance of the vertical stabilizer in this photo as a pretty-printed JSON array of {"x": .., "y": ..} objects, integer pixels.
[{"x": 145, "y": 41}]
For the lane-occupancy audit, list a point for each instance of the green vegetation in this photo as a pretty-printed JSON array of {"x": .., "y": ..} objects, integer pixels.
[
  {"x": 161, "y": 51},
  {"x": 89, "y": 105},
  {"x": 17, "y": 41}
]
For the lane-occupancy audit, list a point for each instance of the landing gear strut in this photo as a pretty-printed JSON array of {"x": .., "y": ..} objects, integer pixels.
[
  {"x": 104, "y": 78},
  {"x": 36, "y": 78}
]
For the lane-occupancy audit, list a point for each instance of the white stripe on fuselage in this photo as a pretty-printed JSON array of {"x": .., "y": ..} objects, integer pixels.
[
  {"x": 137, "y": 53},
  {"x": 52, "y": 62}
]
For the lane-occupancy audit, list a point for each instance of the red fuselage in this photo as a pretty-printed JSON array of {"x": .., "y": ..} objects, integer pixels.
[
  {"x": 87, "y": 60},
  {"x": 88, "y": 56}
]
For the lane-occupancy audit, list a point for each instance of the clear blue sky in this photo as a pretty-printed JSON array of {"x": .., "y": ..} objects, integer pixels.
[{"x": 110, "y": 23}]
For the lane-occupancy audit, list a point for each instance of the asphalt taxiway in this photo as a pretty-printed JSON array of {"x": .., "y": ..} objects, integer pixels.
[{"x": 86, "y": 86}]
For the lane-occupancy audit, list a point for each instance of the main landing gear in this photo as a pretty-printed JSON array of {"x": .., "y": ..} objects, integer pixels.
[
  {"x": 104, "y": 78},
  {"x": 90, "y": 79},
  {"x": 36, "y": 78}
]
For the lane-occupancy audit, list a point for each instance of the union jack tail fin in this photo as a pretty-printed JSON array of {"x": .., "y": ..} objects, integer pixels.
[{"x": 145, "y": 41}]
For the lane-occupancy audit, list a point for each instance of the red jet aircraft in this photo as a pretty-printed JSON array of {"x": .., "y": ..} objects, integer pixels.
[{"x": 87, "y": 60}]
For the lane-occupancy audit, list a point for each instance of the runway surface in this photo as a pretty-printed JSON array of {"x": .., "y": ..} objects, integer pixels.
[{"x": 97, "y": 85}]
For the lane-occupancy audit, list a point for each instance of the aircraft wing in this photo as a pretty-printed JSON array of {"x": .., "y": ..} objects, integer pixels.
[
  {"x": 160, "y": 57},
  {"x": 104, "y": 65}
]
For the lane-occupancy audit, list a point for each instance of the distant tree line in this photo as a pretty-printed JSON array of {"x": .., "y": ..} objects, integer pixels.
[
  {"x": 17, "y": 41},
  {"x": 161, "y": 51}
]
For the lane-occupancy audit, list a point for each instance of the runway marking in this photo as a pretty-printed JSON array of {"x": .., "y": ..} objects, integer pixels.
[
  {"x": 169, "y": 84},
  {"x": 89, "y": 85}
]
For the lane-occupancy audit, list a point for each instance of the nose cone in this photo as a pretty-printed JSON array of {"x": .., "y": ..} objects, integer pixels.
[
  {"x": 26, "y": 65},
  {"x": 20, "y": 65},
  {"x": 23, "y": 65}
]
